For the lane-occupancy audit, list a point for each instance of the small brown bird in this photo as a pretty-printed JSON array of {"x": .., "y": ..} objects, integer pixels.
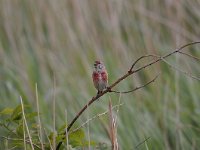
[{"x": 100, "y": 76}]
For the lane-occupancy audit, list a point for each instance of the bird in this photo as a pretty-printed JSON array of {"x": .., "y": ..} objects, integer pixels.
[{"x": 100, "y": 76}]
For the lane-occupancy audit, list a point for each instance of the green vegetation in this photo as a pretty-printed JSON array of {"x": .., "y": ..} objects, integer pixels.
[{"x": 57, "y": 41}]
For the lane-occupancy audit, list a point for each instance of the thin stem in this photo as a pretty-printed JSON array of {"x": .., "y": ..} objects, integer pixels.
[
  {"x": 189, "y": 55},
  {"x": 179, "y": 70},
  {"x": 26, "y": 125},
  {"x": 54, "y": 113},
  {"x": 142, "y": 142},
  {"x": 145, "y": 56},
  {"x": 67, "y": 137},
  {"x": 48, "y": 139},
  {"x": 38, "y": 116},
  {"x": 6, "y": 126}
]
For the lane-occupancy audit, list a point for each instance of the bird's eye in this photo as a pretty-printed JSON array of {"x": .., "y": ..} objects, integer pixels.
[{"x": 100, "y": 66}]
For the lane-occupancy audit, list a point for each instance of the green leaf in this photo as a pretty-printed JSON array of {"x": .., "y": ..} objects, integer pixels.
[
  {"x": 16, "y": 143},
  {"x": 87, "y": 143},
  {"x": 35, "y": 125},
  {"x": 76, "y": 138},
  {"x": 20, "y": 130},
  {"x": 60, "y": 138},
  {"x": 6, "y": 111},
  {"x": 79, "y": 134},
  {"x": 62, "y": 128},
  {"x": 17, "y": 117},
  {"x": 31, "y": 115},
  {"x": 17, "y": 113},
  {"x": 50, "y": 136}
]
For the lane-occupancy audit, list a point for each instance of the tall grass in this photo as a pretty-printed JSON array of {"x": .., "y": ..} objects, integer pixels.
[{"x": 40, "y": 39}]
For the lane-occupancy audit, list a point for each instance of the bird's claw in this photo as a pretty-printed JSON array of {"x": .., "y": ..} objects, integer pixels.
[{"x": 109, "y": 89}]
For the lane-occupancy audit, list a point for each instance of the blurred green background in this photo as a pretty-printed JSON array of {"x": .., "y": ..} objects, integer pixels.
[{"x": 40, "y": 39}]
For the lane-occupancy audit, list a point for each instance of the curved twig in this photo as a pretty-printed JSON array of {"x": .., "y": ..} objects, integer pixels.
[
  {"x": 145, "y": 56},
  {"x": 137, "y": 88}
]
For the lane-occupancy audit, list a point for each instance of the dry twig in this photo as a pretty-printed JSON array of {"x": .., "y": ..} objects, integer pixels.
[
  {"x": 137, "y": 88},
  {"x": 189, "y": 55},
  {"x": 183, "y": 72},
  {"x": 113, "y": 129},
  {"x": 94, "y": 117},
  {"x": 26, "y": 125}
]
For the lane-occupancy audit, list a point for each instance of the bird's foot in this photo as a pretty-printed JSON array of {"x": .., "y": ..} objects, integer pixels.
[{"x": 109, "y": 89}]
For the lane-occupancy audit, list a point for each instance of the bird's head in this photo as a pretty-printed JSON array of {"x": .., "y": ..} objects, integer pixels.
[{"x": 99, "y": 66}]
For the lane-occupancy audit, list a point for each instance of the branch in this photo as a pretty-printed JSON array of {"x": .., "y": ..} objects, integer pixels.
[
  {"x": 196, "y": 58},
  {"x": 137, "y": 88},
  {"x": 177, "y": 69},
  {"x": 165, "y": 56},
  {"x": 129, "y": 73}
]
